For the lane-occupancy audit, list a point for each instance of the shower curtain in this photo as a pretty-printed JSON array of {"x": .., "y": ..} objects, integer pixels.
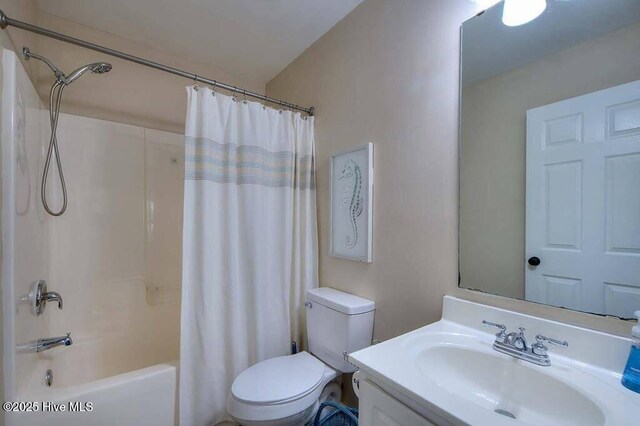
[{"x": 249, "y": 243}]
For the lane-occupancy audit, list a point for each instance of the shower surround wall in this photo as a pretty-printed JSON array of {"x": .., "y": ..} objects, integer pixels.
[
  {"x": 25, "y": 228},
  {"x": 116, "y": 252},
  {"x": 115, "y": 257}
]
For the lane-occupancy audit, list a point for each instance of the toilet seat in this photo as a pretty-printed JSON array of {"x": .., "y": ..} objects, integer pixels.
[
  {"x": 279, "y": 389},
  {"x": 278, "y": 380}
]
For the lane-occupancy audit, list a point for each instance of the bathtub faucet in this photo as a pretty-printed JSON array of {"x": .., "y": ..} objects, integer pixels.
[
  {"x": 41, "y": 345},
  {"x": 52, "y": 342}
]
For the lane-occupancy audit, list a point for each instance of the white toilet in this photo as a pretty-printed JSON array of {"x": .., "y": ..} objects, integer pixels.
[{"x": 287, "y": 390}]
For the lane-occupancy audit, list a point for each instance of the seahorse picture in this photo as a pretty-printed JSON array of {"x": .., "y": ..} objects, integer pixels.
[
  {"x": 351, "y": 194},
  {"x": 352, "y": 200}
]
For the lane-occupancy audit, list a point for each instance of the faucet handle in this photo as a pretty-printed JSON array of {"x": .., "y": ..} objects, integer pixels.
[
  {"x": 52, "y": 296},
  {"x": 539, "y": 348},
  {"x": 540, "y": 338},
  {"x": 39, "y": 296},
  {"x": 503, "y": 328}
]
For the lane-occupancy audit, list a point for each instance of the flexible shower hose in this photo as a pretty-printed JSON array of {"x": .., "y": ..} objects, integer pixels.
[{"x": 55, "y": 98}]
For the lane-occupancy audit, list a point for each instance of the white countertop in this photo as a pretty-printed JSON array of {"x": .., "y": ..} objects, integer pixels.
[{"x": 406, "y": 364}]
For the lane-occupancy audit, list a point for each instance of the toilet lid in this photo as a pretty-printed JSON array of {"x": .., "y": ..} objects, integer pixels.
[{"x": 279, "y": 379}]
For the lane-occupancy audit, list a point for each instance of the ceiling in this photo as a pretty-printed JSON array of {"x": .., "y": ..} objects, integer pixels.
[
  {"x": 490, "y": 48},
  {"x": 255, "y": 38}
]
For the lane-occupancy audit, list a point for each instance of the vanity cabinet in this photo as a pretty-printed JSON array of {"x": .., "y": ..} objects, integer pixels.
[{"x": 377, "y": 408}]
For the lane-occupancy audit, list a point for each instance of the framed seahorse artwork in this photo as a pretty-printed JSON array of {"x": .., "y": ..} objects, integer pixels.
[{"x": 352, "y": 204}]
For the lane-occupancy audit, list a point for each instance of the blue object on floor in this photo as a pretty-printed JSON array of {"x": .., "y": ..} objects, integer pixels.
[{"x": 338, "y": 415}]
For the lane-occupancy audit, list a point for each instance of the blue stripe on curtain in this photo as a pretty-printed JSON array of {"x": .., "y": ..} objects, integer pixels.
[{"x": 212, "y": 161}]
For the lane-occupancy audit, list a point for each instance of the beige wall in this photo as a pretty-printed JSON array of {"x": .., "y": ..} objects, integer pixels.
[
  {"x": 13, "y": 38},
  {"x": 388, "y": 74},
  {"x": 130, "y": 93},
  {"x": 492, "y": 219}
]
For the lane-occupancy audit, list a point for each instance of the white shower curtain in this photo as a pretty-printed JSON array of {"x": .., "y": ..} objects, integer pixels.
[{"x": 249, "y": 245}]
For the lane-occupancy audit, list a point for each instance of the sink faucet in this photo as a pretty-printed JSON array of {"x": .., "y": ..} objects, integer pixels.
[
  {"x": 515, "y": 344},
  {"x": 45, "y": 344},
  {"x": 517, "y": 340}
]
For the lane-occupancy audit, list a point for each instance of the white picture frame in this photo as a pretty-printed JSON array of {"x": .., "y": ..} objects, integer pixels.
[{"x": 351, "y": 205}]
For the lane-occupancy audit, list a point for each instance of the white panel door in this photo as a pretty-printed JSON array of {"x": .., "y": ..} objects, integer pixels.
[
  {"x": 583, "y": 202},
  {"x": 380, "y": 409}
]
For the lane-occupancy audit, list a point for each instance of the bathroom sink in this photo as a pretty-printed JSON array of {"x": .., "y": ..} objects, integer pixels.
[
  {"x": 507, "y": 386},
  {"x": 449, "y": 373}
]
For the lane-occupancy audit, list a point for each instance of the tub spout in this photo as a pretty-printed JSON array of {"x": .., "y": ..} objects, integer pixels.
[
  {"x": 52, "y": 342},
  {"x": 41, "y": 345}
]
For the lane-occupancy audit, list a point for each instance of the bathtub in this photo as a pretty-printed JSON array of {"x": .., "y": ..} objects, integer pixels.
[
  {"x": 144, "y": 396},
  {"x": 128, "y": 373}
]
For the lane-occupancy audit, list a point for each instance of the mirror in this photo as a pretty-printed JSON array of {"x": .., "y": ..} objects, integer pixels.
[{"x": 550, "y": 156}]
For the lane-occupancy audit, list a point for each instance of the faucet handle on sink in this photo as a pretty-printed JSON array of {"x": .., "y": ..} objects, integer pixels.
[
  {"x": 503, "y": 328},
  {"x": 541, "y": 338},
  {"x": 539, "y": 348}
]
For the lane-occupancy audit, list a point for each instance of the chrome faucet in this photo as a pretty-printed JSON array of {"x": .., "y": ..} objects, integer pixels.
[
  {"x": 515, "y": 344},
  {"x": 52, "y": 342},
  {"x": 39, "y": 296},
  {"x": 517, "y": 340},
  {"x": 41, "y": 345},
  {"x": 52, "y": 296}
]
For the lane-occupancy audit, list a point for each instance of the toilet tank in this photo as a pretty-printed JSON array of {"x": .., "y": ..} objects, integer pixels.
[{"x": 338, "y": 322}]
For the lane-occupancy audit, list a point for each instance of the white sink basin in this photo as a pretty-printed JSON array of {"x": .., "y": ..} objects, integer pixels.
[
  {"x": 507, "y": 386},
  {"x": 449, "y": 373}
]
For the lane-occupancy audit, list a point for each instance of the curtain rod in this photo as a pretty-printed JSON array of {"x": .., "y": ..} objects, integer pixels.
[{"x": 5, "y": 21}]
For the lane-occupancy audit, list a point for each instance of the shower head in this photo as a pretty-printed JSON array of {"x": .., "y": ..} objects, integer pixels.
[
  {"x": 100, "y": 67},
  {"x": 96, "y": 68},
  {"x": 55, "y": 99}
]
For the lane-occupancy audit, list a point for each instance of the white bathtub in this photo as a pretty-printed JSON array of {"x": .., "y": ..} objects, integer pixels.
[
  {"x": 147, "y": 396},
  {"x": 129, "y": 374}
]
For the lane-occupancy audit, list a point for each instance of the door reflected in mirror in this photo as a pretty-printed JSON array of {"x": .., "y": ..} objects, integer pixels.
[{"x": 550, "y": 156}]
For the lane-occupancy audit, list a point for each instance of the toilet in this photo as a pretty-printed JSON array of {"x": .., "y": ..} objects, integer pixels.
[{"x": 288, "y": 390}]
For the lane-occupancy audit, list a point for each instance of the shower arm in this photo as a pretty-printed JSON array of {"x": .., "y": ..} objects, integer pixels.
[
  {"x": 5, "y": 21},
  {"x": 28, "y": 54}
]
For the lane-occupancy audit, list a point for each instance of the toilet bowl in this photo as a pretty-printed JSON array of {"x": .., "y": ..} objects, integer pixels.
[
  {"x": 280, "y": 391},
  {"x": 288, "y": 390}
]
